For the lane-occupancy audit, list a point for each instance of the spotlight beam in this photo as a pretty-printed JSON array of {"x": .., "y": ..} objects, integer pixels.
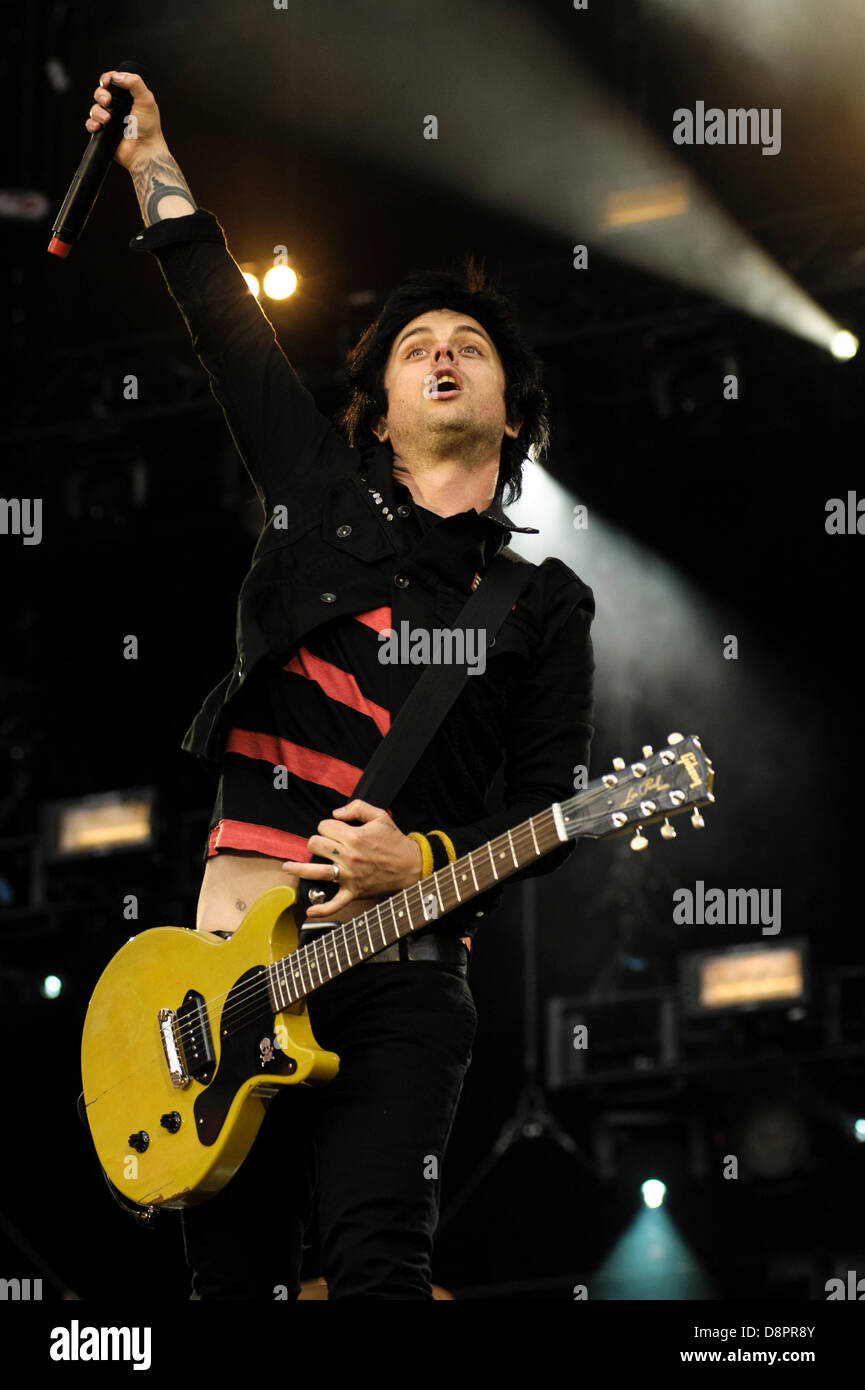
[{"x": 556, "y": 150}]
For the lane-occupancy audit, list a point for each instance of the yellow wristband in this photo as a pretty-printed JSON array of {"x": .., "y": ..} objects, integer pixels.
[
  {"x": 426, "y": 851},
  {"x": 447, "y": 842}
]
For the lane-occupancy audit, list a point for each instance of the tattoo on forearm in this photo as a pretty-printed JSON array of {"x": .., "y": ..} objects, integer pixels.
[{"x": 156, "y": 179}]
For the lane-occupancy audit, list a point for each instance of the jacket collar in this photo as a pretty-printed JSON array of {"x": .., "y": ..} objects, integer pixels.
[{"x": 377, "y": 466}]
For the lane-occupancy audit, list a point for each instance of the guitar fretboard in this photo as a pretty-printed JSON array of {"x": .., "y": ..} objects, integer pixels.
[{"x": 338, "y": 950}]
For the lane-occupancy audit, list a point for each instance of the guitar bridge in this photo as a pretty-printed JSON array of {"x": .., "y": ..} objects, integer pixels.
[
  {"x": 176, "y": 1071},
  {"x": 186, "y": 1041}
]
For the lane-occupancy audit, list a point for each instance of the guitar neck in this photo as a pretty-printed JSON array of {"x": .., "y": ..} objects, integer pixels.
[
  {"x": 656, "y": 787},
  {"x": 336, "y": 951}
]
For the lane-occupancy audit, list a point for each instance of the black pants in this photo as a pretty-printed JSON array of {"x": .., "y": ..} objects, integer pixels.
[{"x": 371, "y": 1141}]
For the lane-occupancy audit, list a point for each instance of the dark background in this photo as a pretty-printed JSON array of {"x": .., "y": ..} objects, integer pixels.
[{"x": 149, "y": 522}]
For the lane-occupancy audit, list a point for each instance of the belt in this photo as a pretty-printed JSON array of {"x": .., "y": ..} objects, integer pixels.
[{"x": 430, "y": 946}]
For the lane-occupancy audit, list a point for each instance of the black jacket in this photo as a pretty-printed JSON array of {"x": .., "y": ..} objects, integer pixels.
[{"x": 327, "y": 548}]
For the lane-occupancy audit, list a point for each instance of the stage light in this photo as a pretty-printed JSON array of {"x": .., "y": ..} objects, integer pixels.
[
  {"x": 51, "y": 987},
  {"x": 844, "y": 346},
  {"x": 279, "y": 282},
  {"x": 101, "y": 824},
  {"x": 252, "y": 282},
  {"x": 653, "y": 1192},
  {"x": 744, "y": 977},
  {"x": 859, "y": 1130}
]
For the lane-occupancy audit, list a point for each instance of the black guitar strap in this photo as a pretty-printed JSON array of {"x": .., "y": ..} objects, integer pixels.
[{"x": 430, "y": 699}]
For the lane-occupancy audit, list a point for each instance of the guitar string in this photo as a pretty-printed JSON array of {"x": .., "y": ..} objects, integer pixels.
[{"x": 256, "y": 990}]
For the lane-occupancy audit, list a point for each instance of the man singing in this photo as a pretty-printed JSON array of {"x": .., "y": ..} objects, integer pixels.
[{"x": 392, "y": 518}]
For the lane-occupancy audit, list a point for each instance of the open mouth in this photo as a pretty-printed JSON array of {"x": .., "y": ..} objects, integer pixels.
[{"x": 441, "y": 387}]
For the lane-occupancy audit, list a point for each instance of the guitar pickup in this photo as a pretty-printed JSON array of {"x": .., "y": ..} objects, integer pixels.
[
  {"x": 194, "y": 1032},
  {"x": 186, "y": 1041}
]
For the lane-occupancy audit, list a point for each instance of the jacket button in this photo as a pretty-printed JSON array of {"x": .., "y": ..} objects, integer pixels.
[
  {"x": 328, "y": 598},
  {"x": 403, "y": 510},
  {"x": 401, "y": 581},
  {"x": 343, "y": 531}
]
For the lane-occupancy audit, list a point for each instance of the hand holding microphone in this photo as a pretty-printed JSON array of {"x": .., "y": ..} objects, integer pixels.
[
  {"x": 125, "y": 127},
  {"x": 141, "y": 133}
]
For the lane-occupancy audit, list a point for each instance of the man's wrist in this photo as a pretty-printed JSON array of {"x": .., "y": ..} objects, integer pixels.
[
  {"x": 421, "y": 864},
  {"x": 147, "y": 150}
]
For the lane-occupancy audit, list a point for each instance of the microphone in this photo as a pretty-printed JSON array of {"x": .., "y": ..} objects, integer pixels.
[{"x": 90, "y": 174}]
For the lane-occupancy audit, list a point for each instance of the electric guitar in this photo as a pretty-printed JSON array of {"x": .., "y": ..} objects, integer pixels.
[{"x": 188, "y": 1036}]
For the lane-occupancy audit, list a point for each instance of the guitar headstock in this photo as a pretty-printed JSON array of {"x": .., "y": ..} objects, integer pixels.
[{"x": 655, "y": 787}]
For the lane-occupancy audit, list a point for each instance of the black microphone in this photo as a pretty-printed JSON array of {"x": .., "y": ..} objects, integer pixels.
[{"x": 95, "y": 163}]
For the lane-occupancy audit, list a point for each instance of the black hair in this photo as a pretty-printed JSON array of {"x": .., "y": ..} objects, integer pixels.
[{"x": 465, "y": 292}]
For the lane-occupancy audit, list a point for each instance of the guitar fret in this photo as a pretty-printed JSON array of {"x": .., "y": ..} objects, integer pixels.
[
  {"x": 380, "y": 925},
  {"x": 438, "y": 894},
  {"x": 407, "y": 908},
  {"x": 300, "y": 965},
  {"x": 365, "y": 951},
  {"x": 534, "y": 836},
  {"x": 390, "y": 905},
  {"x": 492, "y": 861},
  {"x": 456, "y": 885},
  {"x": 472, "y": 867},
  {"x": 317, "y": 961},
  {"x": 513, "y": 852}
]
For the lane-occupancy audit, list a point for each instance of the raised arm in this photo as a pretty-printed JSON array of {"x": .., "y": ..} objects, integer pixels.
[{"x": 286, "y": 444}]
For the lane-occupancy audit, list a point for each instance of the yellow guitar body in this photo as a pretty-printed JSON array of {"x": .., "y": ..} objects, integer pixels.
[{"x": 174, "y": 1103}]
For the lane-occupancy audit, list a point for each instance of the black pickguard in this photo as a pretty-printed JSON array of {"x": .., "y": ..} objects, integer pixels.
[{"x": 249, "y": 1048}]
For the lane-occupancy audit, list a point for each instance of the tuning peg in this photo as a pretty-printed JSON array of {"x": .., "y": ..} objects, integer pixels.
[
  {"x": 667, "y": 831},
  {"x": 697, "y": 820},
  {"x": 674, "y": 738},
  {"x": 618, "y": 764},
  {"x": 648, "y": 750},
  {"x": 639, "y": 841}
]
